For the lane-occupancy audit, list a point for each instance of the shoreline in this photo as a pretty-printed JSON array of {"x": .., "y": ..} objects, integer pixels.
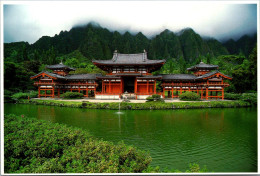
[{"x": 137, "y": 104}]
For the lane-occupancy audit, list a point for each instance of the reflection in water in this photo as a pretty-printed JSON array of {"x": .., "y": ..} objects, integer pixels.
[{"x": 223, "y": 139}]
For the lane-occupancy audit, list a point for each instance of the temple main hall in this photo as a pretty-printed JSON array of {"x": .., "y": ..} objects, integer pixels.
[{"x": 130, "y": 75}]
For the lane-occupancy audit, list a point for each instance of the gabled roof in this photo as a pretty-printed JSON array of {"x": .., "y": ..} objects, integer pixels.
[
  {"x": 129, "y": 59},
  {"x": 68, "y": 77},
  {"x": 82, "y": 76},
  {"x": 188, "y": 77},
  {"x": 60, "y": 66},
  {"x": 202, "y": 65},
  {"x": 210, "y": 74},
  {"x": 53, "y": 75}
]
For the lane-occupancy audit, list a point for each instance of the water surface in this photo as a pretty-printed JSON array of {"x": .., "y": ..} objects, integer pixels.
[{"x": 225, "y": 140}]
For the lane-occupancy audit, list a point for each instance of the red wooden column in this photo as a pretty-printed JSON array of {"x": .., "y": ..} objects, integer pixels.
[
  {"x": 207, "y": 93},
  {"x": 222, "y": 94},
  {"x": 163, "y": 93},
  {"x": 87, "y": 91},
  {"x": 39, "y": 92},
  {"x": 103, "y": 86},
  {"x": 109, "y": 86},
  {"x": 53, "y": 92},
  {"x": 59, "y": 92},
  {"x": 172, "y": 91},
  {"x": 147, "y": 86},
  {"x": 201, "y": 94},
  {"x": 154, "y": 89},
  {"x": 135, "y": 85}
]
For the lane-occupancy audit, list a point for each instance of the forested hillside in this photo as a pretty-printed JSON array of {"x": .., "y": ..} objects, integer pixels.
[{"x": 80, "y": 45}]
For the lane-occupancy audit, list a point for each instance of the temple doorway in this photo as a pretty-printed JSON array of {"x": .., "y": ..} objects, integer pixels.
[{"x": 129, "y": 84}]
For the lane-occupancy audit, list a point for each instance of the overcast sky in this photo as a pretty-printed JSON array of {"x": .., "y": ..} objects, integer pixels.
[{"x": 28, "y": 22}]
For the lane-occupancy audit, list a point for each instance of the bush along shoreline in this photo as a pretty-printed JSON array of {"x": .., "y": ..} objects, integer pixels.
[
  {"x": 140, "y": 106},
  {"x": 39, "y": 146}
]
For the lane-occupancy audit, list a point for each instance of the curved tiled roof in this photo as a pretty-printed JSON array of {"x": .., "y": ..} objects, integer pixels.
[
  {"x": 202, "y": 65},
  {"x": 179, "y": 77},
  {"x": 212, "y": 73},
  {"x": 82, "y": 76},
  {"x": 70, "y": 77},
  {"x": 129, "y": 59},
  {"x": 60, "y": 66},
  {"x": 50, "y": 74}
]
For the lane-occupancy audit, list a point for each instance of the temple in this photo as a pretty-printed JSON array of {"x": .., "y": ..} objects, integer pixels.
[{"x": 130, "y": 75}]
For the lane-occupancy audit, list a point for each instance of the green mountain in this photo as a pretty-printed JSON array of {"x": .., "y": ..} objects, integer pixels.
[
  {"x": 96, "y": 42},
  {"x": 243, "y": 46}
]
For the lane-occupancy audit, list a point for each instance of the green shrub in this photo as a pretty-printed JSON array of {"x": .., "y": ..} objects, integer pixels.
[
  {"x": 232, "y": 96},
  {"x": 154, "y": 97},
  {"x": 37, "y": 146},
  {"x": 189, "y": 96},
  {"x": 19, "y": 96},
  {"x": 71, "y": 95},
  {"x": 7, "y": 95},
  {"x": 249, "y": 97},
  {"x": 33, "y": 94}
]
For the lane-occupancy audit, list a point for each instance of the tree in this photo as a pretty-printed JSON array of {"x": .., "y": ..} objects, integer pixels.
[{"x": 182, "y": 65}]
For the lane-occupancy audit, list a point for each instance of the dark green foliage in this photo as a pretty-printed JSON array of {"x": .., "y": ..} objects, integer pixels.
[
  {"x": 33, "y": 146},
  {"x": 189, "y": 96},
  {"x": 194, "y": 167},
  {"x": 144, "y": 106},
  {"x": 71, "y": 95},
  {"x": 232, "y": 96},
  {"x": 19, "y": 95},
  {"x": 22, "y": 95},
  {"x": 155, "y": 97},
  {"x": 250, "y": 97},
  {"x": 244, "y": 45},
  {"x": 7, "y": 95}
]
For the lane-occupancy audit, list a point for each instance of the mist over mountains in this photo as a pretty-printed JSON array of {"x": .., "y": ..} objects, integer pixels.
[{"x": 95, "y": 42}]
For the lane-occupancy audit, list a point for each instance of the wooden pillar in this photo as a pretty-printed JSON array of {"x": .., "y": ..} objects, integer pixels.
[
  {"x": 39, "y": 92},
  {"x": 135, "y": 85},
  {"x": 147, "y": 86},
  {"x": 207, "y": 93},
  {"x": 172, "y": 92},
  {"x": 109, "y": 86},
  {"x": 154, "y": 89},
  {"x": 87, "y": 91},
  {"x": 222, "y": 93},
  {"x": 181, "y": 91},
  {"x": 163, "y": 93},
  {"x": 59, "y": 92},
  {"x": 201, "y": 94},
  {"x": 53, "y": 92}
]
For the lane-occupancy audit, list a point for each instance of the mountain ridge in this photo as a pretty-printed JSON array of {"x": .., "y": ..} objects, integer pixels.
[{"x": 94, "y": 41}]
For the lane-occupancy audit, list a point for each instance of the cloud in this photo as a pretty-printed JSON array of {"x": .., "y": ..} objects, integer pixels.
[{"x": 30, "y": 21}]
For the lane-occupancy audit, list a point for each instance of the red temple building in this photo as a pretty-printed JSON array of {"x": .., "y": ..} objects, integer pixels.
[{"x": 130, "y": 75}]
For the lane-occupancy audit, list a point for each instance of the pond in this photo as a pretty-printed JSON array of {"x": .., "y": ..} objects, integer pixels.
[{"x": 225, "y": 140}]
